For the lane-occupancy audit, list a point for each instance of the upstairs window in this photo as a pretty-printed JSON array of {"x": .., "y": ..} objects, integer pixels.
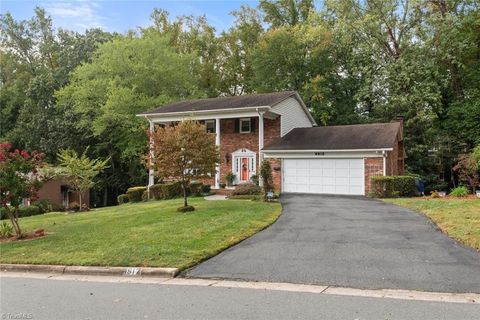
[
  {"x": 245, "y": 125},
  {"x": 210, "y": 124}
]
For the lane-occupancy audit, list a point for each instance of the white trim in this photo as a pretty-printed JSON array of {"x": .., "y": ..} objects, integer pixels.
[
  {"x": 249, "y": 125},
  {"x": 244, "y": 153},
  {"x": 318, "y": 150},
  {"x": 260, "y": 143},
  {"x": 217, "y": 112},
  {"x": 217, "y": 143},
  {"x": 384, "y": 163}
]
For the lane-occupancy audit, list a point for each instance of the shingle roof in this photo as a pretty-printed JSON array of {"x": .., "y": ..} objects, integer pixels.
[
  {"x": 253, "y": 100},
  {"x": 347, "y": 137}
]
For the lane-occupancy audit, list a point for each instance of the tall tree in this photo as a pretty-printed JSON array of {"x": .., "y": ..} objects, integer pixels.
[{"x": 286, "y": 12}]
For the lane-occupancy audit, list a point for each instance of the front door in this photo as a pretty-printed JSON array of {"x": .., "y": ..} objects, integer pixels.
[{"x": 244, "y": 170}]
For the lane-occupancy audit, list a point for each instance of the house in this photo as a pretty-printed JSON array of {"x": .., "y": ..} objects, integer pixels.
[
  {"x": 279, "y": 127},
  {"x": 60, "y": 194}
]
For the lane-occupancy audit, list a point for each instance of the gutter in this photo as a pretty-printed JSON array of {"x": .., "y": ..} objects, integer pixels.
[{"x": 193, "y": 112}]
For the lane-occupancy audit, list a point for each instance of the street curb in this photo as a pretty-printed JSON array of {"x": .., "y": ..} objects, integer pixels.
[{"x": 94, "y": 270}]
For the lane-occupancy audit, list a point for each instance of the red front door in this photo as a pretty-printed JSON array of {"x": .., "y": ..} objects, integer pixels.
[{"x": 244, "y": 170}]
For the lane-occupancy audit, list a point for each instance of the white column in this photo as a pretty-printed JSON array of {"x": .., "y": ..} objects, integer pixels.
[
  {"x": 217, "y": 143},
  {"x": 150, "y": 171},
  {"x": 260, "y": 145}
]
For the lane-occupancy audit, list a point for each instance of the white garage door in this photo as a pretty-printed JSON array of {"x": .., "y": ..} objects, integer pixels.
[{"x": 332, "y": 176}]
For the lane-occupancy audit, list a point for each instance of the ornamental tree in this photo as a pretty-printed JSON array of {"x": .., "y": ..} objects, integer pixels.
[
  {"x": 468, "y": 168},
  {"x": 183, "y": 153},
  {"x": 19, "y": 179},
  {"x": 79, "y": 171}
]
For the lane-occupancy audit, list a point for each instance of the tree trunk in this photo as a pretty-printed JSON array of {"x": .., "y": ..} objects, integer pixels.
[
  {"x": 80, "y": 200},
  {"x": 14, "y": 220},
  {"x": 184, "y": 194}
]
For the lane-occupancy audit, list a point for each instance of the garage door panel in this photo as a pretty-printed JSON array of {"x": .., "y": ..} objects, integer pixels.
[{"x": 334, "y": 176}]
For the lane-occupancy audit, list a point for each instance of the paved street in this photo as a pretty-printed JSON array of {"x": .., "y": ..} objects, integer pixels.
[
  {"x": 353, "y": 242},
  {"x": 65, "y": 299}
]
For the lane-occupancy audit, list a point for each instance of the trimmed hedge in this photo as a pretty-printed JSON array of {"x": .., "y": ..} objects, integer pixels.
[
  {"x": 123, "y": 198},
  {"x": 196, "y": 188},
  {"x": 206, "y": 188},
  {"x": 166, "y": 191},
  {"x": 23, "y": 211},
  {"x": 393, "y": 186},
  {"x": 134, "y": 194},
  {"x": 246, "y": 189}
]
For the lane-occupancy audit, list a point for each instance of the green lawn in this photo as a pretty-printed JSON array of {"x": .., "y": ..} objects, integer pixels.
[
  {"x": 459, "y": 218},
  {"x": 143, "y": 234}
]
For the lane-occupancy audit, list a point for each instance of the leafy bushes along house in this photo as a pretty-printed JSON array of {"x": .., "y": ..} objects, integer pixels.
[
  {"x": 278, "y": 127},
  {"x": 393, "y": 186}
]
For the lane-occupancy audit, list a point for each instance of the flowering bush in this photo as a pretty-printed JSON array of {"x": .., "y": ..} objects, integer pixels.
[{"x": 19, "y": 179}]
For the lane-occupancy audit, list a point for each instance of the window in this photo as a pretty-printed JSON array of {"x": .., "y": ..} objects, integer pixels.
[
  {"x": 210, "y": 124},
  {"x": 245, "y": 125}
]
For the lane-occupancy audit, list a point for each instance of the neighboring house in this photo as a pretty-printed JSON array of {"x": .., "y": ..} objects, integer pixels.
[
  {"x": 60, "y": 194},
  {"x": 279, "y": 127}
]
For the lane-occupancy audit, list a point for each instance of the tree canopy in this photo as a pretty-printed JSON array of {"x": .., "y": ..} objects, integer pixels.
[{"x": 352, "y": 61}]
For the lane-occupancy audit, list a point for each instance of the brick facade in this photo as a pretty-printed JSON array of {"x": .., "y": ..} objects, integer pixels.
[
  {"x": 276, "y": 165},
  {"x": 231, "y": 141},
  {"x": 52, "y": 191},
  {"x": 373, "y": 167}
]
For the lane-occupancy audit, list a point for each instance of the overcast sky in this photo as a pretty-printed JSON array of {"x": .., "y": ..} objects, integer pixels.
[{"x": 122, "y": 15}]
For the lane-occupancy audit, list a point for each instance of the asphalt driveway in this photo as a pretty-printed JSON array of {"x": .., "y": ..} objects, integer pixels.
[{"x": 352, "y": 242}]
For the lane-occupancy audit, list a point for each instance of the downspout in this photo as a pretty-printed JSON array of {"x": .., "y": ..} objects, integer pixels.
[
  {"x": 260, "y": 144},
  {"x": 384, "y": 153}
]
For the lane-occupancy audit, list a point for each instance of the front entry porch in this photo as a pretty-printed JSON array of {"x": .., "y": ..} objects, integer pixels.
[{"x": 244, "y": 165}]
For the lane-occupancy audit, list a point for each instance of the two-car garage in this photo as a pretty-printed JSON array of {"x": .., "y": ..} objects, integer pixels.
[{"x": 329, "y": 176}]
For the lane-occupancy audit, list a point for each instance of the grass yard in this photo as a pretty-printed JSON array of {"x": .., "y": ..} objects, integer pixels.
[
  {"x": 143, "y": 234},
  {"x": 459, "y": 218}
]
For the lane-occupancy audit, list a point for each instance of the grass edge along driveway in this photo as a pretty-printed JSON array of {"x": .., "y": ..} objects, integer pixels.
[
  {"x": 144, "y": 234},
  {"x": 458, "y": 218}
]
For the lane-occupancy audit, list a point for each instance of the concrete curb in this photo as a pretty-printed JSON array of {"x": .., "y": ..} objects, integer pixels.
[{"x": 94, "y": 270}]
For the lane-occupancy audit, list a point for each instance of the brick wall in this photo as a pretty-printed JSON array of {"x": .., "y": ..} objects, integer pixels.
[
  {"x": 231, "y": 141},
  {"x": 276, "y": 165},
  {"x": 373, "y": 167},
  {"x": 52, "y": 191}
]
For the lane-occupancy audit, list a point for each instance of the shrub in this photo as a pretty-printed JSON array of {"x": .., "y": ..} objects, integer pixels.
[
  {"x": 185, "y": 209},
  {"x": 6, "y": 230},
  {"x": 230, "y": 177},
  {"x": 253, "y": 197},
  {"x": 166, "y": 191},
  {"x": 393, "y": 186},
  {"x": 145, "y": 195},
  {"x": 45, "y": 205},
  {"x": 27, "y": 211},
  {"x": 246, "y": 189},
  {"x": 459, "y": 192},
  {"x": 254, "y": 179},
  {"x": 206, "y": 188},
  {"x": 196, "y": 188},
  {"x": 123, "y": 198},
  {"x": 267, "y": 177},
  {"x": 135, "y": 193}
]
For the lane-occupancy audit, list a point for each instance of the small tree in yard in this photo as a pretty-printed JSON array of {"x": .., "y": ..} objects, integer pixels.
[
  {"x": 267, "y": 177},
  {"x": 79, "y": 171},
  {"x": 184, "y": 152},
  {"x": 468, "y": 168},
  {"x": 19, "y": 179}
]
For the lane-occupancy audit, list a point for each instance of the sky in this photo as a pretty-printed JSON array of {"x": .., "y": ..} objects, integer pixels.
[{"x": 122, "y": 15}]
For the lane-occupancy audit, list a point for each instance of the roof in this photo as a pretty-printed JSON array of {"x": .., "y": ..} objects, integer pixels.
[
  {"x": 348, "y": 137},
  {"x": 233, "y": 102}
]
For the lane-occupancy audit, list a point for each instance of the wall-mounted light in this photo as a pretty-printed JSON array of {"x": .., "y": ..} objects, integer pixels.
[{"x": 227, "y": 158}]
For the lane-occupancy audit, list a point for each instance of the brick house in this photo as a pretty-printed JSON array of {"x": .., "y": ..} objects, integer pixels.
[
  {"x": 61, "y": 195},
  {"x": 279, "y": 127}
]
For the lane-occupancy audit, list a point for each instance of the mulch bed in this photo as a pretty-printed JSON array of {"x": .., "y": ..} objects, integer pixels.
[{"x": 26, "y": 236}]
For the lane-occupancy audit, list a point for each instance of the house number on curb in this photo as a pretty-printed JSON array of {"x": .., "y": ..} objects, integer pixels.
[{"x": 133, "y": 271}]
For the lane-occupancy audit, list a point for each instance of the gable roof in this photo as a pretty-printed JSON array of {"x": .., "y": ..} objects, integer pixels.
[
  {"x": 373, "y": 136},
  {"x": 233, "y": 102}
]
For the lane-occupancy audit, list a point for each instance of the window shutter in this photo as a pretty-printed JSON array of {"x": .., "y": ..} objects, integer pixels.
[
  {"x": 237, "y": 125},
  {"x": 252, "y": 125}
]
